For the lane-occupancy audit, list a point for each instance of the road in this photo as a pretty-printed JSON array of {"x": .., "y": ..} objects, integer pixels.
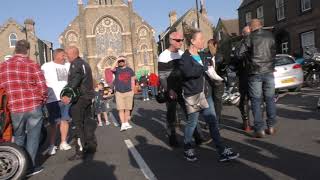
[{"x": 143, "y": 152}]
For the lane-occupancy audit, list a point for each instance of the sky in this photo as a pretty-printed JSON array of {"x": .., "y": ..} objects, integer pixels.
[{"x": 53, "y": 16}]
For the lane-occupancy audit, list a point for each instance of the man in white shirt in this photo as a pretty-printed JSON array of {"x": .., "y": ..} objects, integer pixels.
[
  {"x": 56, "y": 74},
  {"x": 170, "y": 81}
]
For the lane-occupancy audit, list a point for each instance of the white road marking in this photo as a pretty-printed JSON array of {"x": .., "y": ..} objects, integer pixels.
[{"x": 142, "y": 164}]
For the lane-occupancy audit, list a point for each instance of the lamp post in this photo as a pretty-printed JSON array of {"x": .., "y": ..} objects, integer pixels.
[{"x": 198, "y": 19}]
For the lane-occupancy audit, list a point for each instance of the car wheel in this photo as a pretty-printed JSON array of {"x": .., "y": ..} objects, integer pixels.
[
  {"x": 14, "y": 161},
  {"x": 296, "y": 89}
]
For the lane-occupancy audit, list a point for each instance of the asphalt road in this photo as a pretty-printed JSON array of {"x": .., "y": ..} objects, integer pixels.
[{"x": 143, "y": 152}]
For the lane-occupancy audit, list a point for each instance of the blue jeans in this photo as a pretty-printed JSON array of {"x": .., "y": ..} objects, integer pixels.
[
  {"x": 145, "y": 93},
  {"x": 262, "y": 88},
  {"x": 210, "y": 117},
  {"x": 27, "y": 129},
  {"x": 154, "y": 90}
]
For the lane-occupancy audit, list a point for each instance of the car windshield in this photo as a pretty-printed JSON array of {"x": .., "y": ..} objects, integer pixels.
[{"x": 283, "y": 60}]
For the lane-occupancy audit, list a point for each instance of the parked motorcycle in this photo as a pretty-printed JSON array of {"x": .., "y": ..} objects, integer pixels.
[{"x": 311, "y": 68}]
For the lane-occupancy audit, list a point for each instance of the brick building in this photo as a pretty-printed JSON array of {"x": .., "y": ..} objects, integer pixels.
[
  {"x": 11, "y": 32},
  {"x": 295, "y": 23}
]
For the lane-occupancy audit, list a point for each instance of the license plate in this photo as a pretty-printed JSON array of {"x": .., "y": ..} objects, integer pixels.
[{"x": 291, "y": 80}]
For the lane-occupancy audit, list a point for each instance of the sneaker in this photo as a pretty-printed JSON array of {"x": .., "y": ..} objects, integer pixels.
[
  {"x": 228, "y": 155},
  {"x": 64, "y": 146},
  {"x": 147, "y": 99},
  {"x": 123, "y": 127},
  {"x": 128, "y": 126},
  {"x": 52, "y": 150},
  {"x": 190, "y": 155},
  {"x": 100, "y": 124},
  {"x": 107, "y": 123},
  {"x": 34, "y": 171}
]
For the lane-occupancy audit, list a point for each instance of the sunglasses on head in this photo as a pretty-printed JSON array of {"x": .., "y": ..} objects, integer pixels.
[{"x": 178, "y": 40}]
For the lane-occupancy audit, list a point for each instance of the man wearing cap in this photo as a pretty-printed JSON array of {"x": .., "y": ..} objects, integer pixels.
[{"x": 124, "y": 87}]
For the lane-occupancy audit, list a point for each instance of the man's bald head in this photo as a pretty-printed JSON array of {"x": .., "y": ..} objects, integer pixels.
[
  {"x": 255, "y": 24},
  {"x": 72, "y": 53},
  {"x": 246, "y": 31}
]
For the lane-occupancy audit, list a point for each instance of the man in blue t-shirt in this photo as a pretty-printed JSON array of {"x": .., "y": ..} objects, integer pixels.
[{"x": 124, "y": 86}]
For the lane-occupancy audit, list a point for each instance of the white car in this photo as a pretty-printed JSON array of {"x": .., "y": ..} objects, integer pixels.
[{"x": 288, "y": 74}]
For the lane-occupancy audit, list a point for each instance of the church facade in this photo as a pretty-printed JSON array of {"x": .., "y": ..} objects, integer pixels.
[{"x": 106, "y": 29}]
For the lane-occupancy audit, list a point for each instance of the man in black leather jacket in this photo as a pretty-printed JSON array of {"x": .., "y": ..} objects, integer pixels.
[
  {"x": 80, "y": 79},
  {"x": 260, "y": 47}
]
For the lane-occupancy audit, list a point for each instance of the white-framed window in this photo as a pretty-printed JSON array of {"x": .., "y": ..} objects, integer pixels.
[
  {"x": 280, "y": 9},
  {"x": 307, "y": 40},
  {"x": 248, "y": 17},
  {"x": 260, "y": 14},
  {"x": 194, "y": 24},
  {"x": 284, "y": 48},
  {"x": 305, "y": 5},
  {"x": 13, "y": 40}
]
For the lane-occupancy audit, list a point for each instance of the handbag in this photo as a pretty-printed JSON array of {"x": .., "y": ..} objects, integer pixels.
[{"x": 196, "y": 102}]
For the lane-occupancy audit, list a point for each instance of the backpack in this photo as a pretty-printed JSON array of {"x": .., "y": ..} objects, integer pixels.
[{"x": 5, "y": 119}]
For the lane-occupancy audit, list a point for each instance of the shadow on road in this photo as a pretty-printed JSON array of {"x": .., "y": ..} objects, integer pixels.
[{"x": 92, "y": 170}]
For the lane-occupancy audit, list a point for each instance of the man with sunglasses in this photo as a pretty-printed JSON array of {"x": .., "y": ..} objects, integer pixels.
[
  {"x": 170, "y": 81},
  {"x": 124, "y": 86}
]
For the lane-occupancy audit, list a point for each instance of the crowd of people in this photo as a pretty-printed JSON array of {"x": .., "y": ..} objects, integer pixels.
[{"x": 190, "y": 79}]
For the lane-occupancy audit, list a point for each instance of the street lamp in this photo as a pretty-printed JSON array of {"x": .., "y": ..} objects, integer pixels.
[{"x": 197, "y": 8}]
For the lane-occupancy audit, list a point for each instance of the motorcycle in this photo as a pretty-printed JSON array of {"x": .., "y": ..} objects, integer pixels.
[
  {"x": 231, "y": 94},
  {"x": 311, "y": 68}
]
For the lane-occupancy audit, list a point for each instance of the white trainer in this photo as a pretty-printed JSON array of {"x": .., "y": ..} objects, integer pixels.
[
  {"x": 64, "y": 146},
  {"x": 128, "y": 126},
  {"x": 123, "y": 127},
  {"x": 52, "y": 150}
]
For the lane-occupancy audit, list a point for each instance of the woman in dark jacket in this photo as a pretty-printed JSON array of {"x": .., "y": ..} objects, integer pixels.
[{"x": 193, "y": 67}]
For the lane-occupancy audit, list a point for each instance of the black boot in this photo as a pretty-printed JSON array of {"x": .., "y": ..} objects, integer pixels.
[{"x": 173, "y": 142}]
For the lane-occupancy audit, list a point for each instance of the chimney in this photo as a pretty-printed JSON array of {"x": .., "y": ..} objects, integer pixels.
[
  {"x": 172, "y": 17},
  {"x": 29, "y": 25}
]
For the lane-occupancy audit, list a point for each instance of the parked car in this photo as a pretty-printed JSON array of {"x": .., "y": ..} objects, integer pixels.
[{"x": 288, "y": 73}]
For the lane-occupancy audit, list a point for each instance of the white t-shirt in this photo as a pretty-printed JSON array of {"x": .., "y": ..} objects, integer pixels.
[
  {"x": 167, "y": 56},
  {"x": 56, "y": 79}
]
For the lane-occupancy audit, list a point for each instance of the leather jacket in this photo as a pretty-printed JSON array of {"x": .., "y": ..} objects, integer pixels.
[{"x": 260, "y": 47}]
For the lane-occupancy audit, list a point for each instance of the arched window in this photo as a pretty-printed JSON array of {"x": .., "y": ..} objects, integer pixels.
[{"x": 13, "y": 40}]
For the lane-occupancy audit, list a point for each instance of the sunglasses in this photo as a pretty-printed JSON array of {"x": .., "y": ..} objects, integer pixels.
[{"x": 178, "y": 40}]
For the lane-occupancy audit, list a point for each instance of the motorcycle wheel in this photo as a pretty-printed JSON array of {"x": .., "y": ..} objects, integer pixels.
[
  {"x": 14, "y": 161},
  {"x": 312, "y": 80}
]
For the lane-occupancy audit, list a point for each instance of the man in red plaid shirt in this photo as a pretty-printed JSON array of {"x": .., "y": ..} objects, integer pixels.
[{"x": 27, "y": 92}]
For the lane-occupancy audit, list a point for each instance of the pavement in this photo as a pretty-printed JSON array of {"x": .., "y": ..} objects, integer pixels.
[{"x": 143, "y": 153}]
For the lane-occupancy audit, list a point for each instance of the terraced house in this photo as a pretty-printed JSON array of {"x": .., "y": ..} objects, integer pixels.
[{"x": 295, "y": 23}]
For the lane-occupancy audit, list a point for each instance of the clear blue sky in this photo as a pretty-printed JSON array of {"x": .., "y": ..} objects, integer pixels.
[{"x": 52, "y": 16}]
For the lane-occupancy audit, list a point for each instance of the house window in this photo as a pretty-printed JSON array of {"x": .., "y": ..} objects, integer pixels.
[
  {"x": 307, "y": 40},
  {"x": 13, "y": 40},
  {"x": 280, "y": 9},
  {"x": 260, "y": 14},
  {"x": 248, "y": 17},
  {"x": 194, "y": 24},
  {"x": 220, "y": 35},
  {"x": 284, "y": 48},
  {"x": 305, "y": 5}
]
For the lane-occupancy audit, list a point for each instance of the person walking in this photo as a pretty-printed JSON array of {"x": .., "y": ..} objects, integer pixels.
[
  {"x": 170, "y": 82},
  {"x": 193, "y": 68},
  {"x": 27, "y": 92},
  {"x": 260, "y": 47}
]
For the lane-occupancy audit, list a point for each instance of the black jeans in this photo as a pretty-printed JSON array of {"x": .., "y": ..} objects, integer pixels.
[
  {"x": 172, "y": 118},
  {"x": 82, "y": 117},
  {"x": 217, "y": 93},
  {"x": 244, "y": 96}
]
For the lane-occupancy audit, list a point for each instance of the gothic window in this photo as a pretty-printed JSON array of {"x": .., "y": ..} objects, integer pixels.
[
  {"x": 72, "y": 37},
  {"x": 145, "y": 54},
  {"x": 13, "y": 40},
  {"x": 143, "y": 33},
  {"x": 108, "y": 37}
]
